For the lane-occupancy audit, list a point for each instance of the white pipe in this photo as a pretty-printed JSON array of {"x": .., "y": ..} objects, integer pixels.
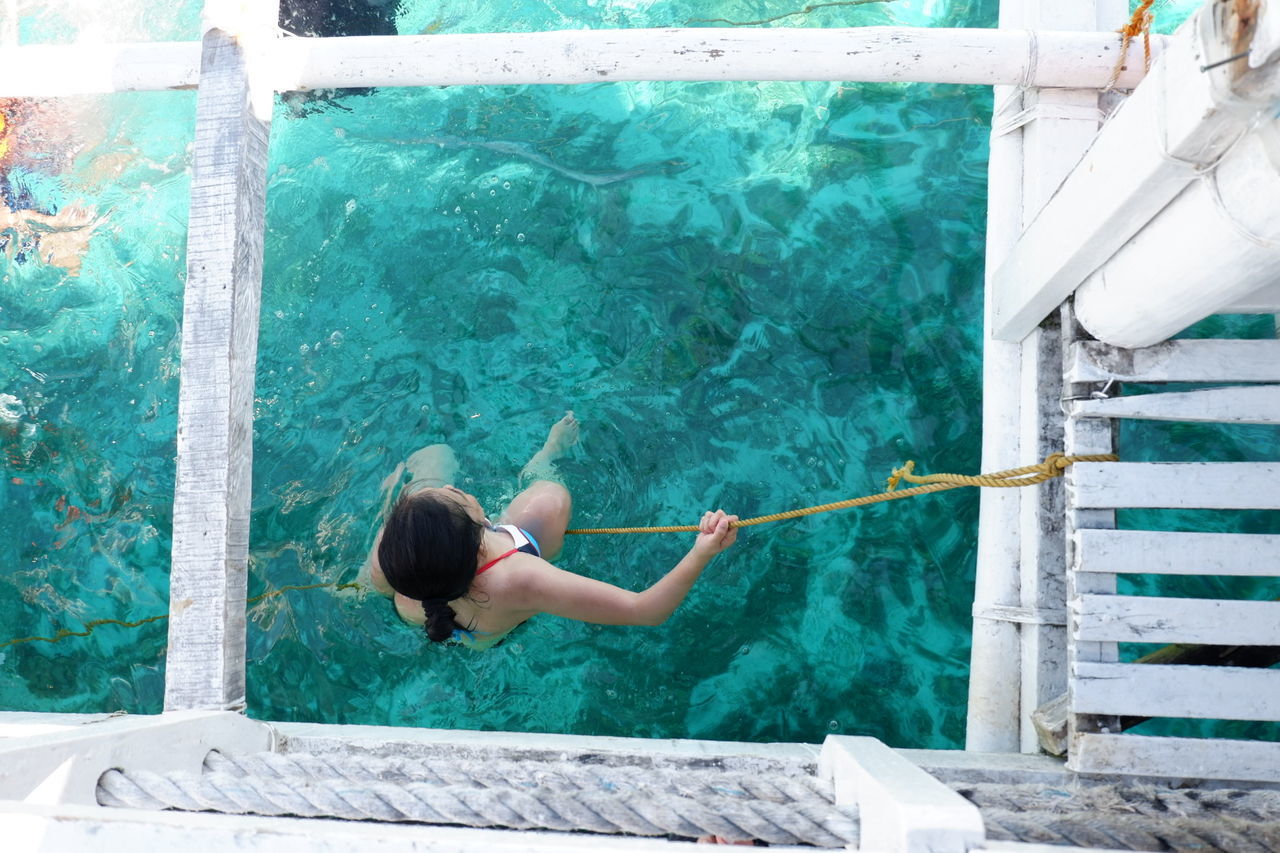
[
  {"x": 1217, "y": 243},
  {"x": 863, "y": 54}
]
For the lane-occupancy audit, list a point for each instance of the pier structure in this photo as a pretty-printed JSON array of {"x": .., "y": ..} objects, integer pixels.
[{"x": 1116, "y": 220}]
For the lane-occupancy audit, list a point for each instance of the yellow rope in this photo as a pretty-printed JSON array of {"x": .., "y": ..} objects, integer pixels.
[
  {"x": 1028, "y": 475},
  {"x": 63, "y": 633}
]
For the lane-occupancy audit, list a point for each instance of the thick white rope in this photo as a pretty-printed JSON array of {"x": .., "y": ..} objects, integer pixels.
[
  {"x": 553, "y": 775},
  {"x": 557, "y": 796}
]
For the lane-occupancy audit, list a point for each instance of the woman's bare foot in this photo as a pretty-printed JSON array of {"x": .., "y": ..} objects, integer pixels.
[{"x": 563, "y": 435}]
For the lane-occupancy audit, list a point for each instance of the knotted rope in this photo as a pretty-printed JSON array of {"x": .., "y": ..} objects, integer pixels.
[
  {"x": 1028, "y": 475},
  {"x": 1139, "y": 25},
  {"x": 556, "y": 796}
]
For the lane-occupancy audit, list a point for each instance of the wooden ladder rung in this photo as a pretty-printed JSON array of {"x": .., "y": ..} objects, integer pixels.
[
  {"x": 1250, "y": 404},
  {"x": 1176, "y": 361},
  {"x": 1159, "y": 552},
  {"x": 1176, "y": 758},
  {"x": 1152, "y": 619},
  {"x": 1152, "y": 690},
  {"x": 1174, "y": 485}
]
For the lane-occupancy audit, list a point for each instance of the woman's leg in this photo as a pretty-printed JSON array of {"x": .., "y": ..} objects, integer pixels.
[{"x": 545, "y": 506}]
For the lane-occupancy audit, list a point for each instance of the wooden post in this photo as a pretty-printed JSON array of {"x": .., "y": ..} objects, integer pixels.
[
  {"x": 1019, "y": 633},
  {"x": 205, "y": 666}
]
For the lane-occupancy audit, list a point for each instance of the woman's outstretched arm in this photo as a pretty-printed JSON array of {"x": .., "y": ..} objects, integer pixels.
[{"x": 561, "y": 593}]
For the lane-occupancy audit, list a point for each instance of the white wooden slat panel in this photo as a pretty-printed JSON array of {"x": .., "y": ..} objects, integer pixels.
[
  {"x": 1175, "y": 485},
  {"x": 1257, "y": 404},
  {"x": 1150, "y": 619},
  {"x": 1164, "y": 553},
  {"x": 1201, "y": 692},
  {"x": 1176, "y": 758},
  {"x": 1176, "y": 361}
]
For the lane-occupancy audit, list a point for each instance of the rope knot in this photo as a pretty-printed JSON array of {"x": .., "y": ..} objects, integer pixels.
[
  {"x": 1055, "y": 464},
  {"x": 898, "y": 474}
]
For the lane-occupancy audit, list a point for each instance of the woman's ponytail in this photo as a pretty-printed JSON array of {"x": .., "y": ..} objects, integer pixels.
[{"x": 440, "y": 623}]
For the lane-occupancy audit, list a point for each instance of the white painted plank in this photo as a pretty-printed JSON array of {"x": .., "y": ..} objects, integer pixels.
[
  {"x": 868, "y": 54},
  {"x": 1257, "y": 404},
  {"x": 1199, "y": 692},
  {"x": 1176, "y": 361},
  {"x": 205, "y": 662},
  {"x": 1176, "y": 758},
  {"x": 1165, "y": 553},
  {"x": 1127, "y": 177},
  {"x": 1150, "y": 619},
  {"x": 1175, "y": 485}
]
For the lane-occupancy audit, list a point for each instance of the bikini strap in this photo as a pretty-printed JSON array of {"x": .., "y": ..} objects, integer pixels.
[{"x": 492, "y": 563}]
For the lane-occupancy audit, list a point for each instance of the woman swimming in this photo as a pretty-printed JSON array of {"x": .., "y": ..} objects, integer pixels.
[{"x": 466, "y": 579}]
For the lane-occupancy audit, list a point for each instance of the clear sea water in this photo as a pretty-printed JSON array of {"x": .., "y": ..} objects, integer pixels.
[{"x": 755, "y": 296}]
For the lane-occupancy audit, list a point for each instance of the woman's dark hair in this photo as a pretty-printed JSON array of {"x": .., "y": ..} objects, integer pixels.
[{"x": 428, "y": 553}]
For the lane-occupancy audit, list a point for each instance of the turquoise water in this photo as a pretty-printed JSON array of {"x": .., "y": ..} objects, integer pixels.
[{"x": 753, "y": 296}]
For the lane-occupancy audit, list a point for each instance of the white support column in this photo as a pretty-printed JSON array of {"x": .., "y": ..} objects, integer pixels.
[
  {"x": 1037, "y": 136},
  {"x": 205, "y": 665}
]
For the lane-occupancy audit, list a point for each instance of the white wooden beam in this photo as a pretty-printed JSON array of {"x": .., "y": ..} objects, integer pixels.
[
  {"x": 1176, "y": 485},
  {"x": 1151, "y": 619},
  {"x": 64, "y": 765},
  {"x": 1176, "y": 758},
  {"x": 1169, "y": 553},
  {"x": 901, "y": 808},
  {"x": 1178, "y": 123},
  {"x": 205, "y": 664},
  {"x": 1176, "y": 361},
  {"x": 1198, "y": 692},
  {"x": 867, "y": 54},
  {"x": 1259, "y": 404}
]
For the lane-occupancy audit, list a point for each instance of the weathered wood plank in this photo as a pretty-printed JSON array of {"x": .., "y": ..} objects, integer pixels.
[
  {"x": 1164, "y": 553},
  {"x": 1176, "y": 758},
  {"x": 1176, "y": 361},
  {"x": 205, "y": 663},
  {"x": 1258, "y": 404},
  {"x": 1200, "y": 692},
  {"x": 1084, "y": 436},
  {"x": 1175, "y": 485},
  {"x": 1151, "y": 619}
]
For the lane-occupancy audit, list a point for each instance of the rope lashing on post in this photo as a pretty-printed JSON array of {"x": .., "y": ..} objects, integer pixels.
[
  {"x": 1028, "y": 475},
  {"x": 1139, "y": 25},
  {"x": 538, "y": 795}
]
